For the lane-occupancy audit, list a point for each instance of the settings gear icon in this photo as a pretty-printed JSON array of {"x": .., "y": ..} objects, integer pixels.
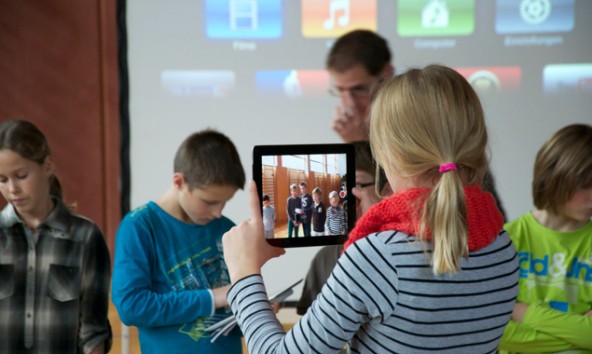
[{"x": 535, "y": 11}]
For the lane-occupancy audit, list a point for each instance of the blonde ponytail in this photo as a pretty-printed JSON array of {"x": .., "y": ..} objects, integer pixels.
[{"x": 445, "y": 215}]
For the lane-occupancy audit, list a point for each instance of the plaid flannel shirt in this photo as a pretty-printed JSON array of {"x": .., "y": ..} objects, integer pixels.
[{"x": 54, "y": 284}]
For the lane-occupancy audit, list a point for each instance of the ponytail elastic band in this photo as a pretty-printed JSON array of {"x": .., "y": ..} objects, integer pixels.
[{"x": 449, "y": 166}]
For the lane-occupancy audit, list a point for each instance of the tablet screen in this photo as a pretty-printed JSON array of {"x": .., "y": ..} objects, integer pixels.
[{"x": 305, "y": 193}]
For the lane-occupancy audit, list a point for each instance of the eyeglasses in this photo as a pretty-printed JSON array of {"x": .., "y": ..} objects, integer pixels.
[
  {"x": 359, "y": 91},
  {"x": 364, "y": 185}
]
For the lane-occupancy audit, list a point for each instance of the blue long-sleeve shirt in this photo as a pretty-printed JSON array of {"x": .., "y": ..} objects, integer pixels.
[{"x": 162, "y": 274}]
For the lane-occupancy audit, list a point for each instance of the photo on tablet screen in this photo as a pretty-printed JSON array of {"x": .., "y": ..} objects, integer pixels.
[{"x": 305, "y": 193}]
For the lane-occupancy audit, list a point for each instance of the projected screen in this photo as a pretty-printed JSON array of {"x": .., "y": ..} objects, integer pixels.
[
  {"x": 276, "y": 48},
  {"x": 255, "y": 70}
]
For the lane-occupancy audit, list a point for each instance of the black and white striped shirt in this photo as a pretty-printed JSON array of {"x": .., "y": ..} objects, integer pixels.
[
  {"x": 382, "y": 297},
  {"x": 336, "y": 222}
]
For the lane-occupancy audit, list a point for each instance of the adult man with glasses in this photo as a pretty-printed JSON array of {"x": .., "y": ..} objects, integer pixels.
[{"x": 358, "y": 63}]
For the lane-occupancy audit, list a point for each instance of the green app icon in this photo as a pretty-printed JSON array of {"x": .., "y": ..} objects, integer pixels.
[{"x": 436, "y": 17}]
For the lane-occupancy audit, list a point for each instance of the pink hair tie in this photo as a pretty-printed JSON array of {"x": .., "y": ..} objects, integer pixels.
[{"x": 449, "y": 166}]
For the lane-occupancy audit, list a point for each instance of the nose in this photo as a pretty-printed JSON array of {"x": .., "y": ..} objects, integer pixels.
[
  {"x": 346, "y": 98},
  {"x": 217, "y": 211},
  {"x": 13, "y": 186}
]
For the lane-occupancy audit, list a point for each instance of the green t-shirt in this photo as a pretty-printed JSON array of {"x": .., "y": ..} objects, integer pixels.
[{"x": 556, "y": 281}]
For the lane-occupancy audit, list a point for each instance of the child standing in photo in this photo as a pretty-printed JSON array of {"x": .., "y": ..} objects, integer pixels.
[
  {"x": 553, "y": 312},
  {"x": 319, "y": 213},
  {"x": 268, "y": 217},
  {"x": 294, "y": 210},
  {"x": 54, "y": 264},
  {"x": 336, "y": 222},
  {"x": 169, "y": 276},
  {"x": 307, "y": 204}
]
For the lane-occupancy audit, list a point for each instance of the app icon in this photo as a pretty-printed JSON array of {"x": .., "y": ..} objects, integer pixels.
[
  {"x": 436, "y": 17},
  {"x": 192, "y": 83},
  {"x": 493, "y": 80},
  {"x": 534, "y": 16},
  {"x": 568, "y": 78},
  {"x": 243, "y": 19},
  {"x": 292, "y": 83},
  {"x": 332, "y": 18}
]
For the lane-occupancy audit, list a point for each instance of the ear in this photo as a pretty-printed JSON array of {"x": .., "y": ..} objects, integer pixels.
[
  {"x": 48, "y": 166},
  {"x": 179, "y": 180},
  {"x": 388, "y": 71}
]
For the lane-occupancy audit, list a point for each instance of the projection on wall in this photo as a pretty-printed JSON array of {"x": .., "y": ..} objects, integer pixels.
[{"x": 497, "y": 45}]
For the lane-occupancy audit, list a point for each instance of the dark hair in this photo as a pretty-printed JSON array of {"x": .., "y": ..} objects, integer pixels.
[
  {"x": 303, "y": 184},
  {"x": 265, "y": 197},
  {"x": 24, "y": 138},
  {"x": 366, "y": 162},
  {"x": 359, "y": 47},
  {"x": 562, "y": 166},
  {"x": 209, "y": 158}
]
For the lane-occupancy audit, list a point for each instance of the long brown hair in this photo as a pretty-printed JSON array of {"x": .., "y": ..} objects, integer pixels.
[{"x": 24, "y": 138}]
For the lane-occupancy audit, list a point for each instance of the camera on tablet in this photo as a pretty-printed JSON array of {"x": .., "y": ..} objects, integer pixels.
[{"x": 307, "y": 189}]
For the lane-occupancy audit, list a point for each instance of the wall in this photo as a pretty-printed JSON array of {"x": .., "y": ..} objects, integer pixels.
[{"x": 58, "y": 69}]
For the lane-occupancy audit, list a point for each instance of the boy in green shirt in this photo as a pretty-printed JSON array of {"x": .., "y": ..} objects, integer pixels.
[{"x": 553, "y": 312}]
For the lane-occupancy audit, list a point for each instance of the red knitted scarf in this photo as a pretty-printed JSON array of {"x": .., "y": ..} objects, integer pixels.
[{"x": 401, "y": 212}]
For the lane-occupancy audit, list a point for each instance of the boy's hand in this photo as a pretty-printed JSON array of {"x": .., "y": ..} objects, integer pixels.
[
  {"x": 519, "y": 311},
  {"x": 220, "y": 299},
  {"x": 245, "y": 248}
]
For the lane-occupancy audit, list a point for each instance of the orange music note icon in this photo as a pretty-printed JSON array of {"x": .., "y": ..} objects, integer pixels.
[{"x": 334, "y": 7}]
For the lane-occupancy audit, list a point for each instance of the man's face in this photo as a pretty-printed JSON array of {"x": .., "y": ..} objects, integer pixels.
[{"x": 354, "y": 87}]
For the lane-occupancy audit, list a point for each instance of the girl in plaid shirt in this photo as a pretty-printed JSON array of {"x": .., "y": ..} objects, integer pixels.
[{"x": 54, "y": 264}]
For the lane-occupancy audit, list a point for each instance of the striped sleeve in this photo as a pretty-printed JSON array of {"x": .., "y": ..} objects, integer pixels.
[
  {"x": 346, "y": 303},
  {"x": 382, "y": 297}
]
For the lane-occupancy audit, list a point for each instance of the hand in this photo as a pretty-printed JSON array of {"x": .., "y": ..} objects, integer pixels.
[
  {"x": 350, "y": 124},
  {"x": 519, "y": 311},
  {"x": 220, "y": 299},
  {"x": 245, "y": 248},
  {"x": 589, "y": 313}
]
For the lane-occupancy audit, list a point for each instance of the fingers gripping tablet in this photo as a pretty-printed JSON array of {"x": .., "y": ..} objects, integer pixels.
[{"x": 305, "y": 193}]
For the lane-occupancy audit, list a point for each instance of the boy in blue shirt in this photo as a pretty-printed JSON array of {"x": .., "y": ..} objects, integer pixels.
[{"x": 169, "y": 276}]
